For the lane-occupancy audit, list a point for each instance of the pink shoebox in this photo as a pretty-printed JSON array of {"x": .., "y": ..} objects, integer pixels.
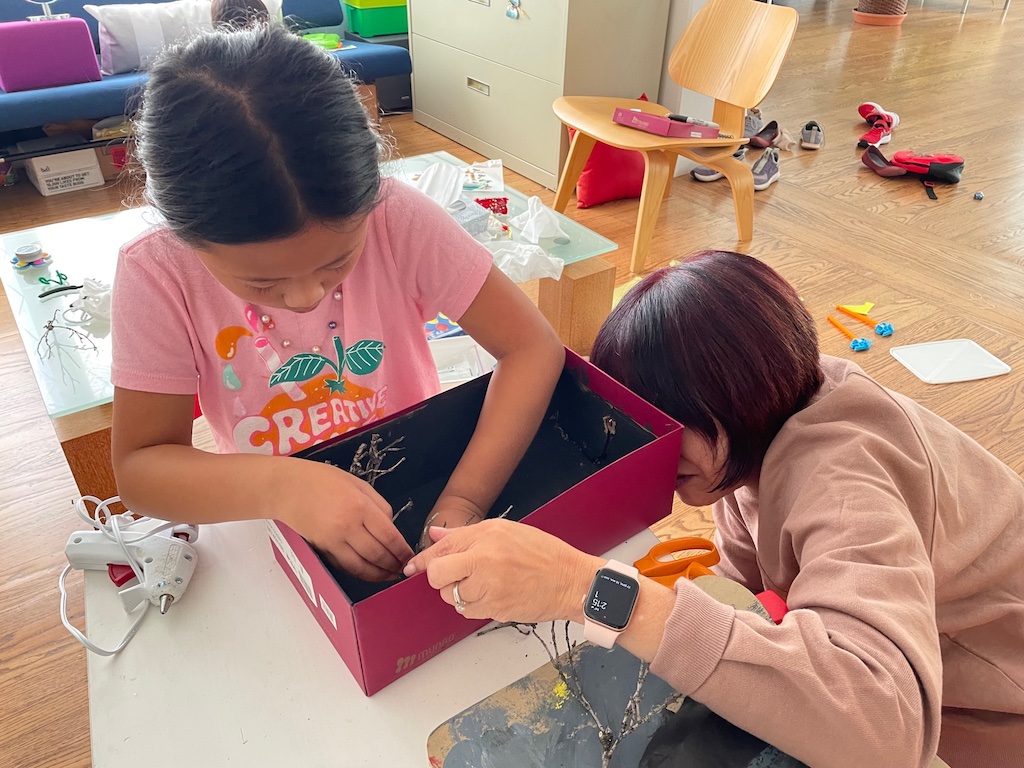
[
  {"x": 663, "y": 126},
  {"x": 44, "y": 54},
  {"x": 578, "y": 480}
]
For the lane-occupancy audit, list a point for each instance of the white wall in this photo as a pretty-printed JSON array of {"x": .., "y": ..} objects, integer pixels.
[{"x": 674, "y": 97}]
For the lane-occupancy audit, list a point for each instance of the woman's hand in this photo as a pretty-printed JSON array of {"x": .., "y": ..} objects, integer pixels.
[
  {"x": 508, "y": 571},
  {"x": 343, "y": 517}
]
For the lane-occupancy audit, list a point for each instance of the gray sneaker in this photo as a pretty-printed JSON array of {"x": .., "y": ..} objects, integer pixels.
[
  {"x": 752, "y": 123},
  {"x": 766, "y": 169},
  {"x": 703, "y": 173},
  {"x": 812, "y": 137}
]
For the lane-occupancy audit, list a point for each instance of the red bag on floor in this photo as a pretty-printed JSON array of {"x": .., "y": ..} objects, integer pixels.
[{"x": 941, "y": 166}]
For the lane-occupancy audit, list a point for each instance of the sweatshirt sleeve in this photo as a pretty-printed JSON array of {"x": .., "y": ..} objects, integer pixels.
[
  {"x": 852, "y": 676},
  {"x": 735, "y": 546}
]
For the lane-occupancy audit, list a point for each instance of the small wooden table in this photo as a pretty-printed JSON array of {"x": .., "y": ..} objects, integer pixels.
[{"x": 75, "y": 382}]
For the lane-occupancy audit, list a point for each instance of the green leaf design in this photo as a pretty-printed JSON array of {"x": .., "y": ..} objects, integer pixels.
[
  {"x": 335, "y": 386},
  {"x": 301, "y": 367},
  {"x": 364, "y": 356},
  {"x": 339, "y": 350}
]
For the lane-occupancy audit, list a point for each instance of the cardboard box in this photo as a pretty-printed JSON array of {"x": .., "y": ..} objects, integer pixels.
[
  {"x": 577, "y": 481},
  {"x": 663, "y": 126},
  {"x": 112, "y": 159},
  {"x": 64, "y": 172}
]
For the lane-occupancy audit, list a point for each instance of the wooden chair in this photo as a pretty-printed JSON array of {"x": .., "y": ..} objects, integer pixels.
[{"x": 732, "y": 51}]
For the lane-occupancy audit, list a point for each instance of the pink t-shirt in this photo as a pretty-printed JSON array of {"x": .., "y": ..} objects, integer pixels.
[{"x": 284, "y": 383}]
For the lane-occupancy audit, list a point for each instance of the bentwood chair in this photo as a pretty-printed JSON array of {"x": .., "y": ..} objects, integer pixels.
[{"x": 732, "y": 51}]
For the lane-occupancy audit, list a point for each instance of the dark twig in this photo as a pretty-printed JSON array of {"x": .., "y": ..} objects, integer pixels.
[
  {"x": 405, "y": 508},
  {"x": 374, "y": 456}
]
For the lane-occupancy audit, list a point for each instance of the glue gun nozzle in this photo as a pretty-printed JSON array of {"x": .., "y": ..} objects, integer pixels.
[{"x": 165, "y": 602}]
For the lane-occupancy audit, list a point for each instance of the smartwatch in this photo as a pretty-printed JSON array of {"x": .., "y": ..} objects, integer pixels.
[{"x": 609, "y": 603}]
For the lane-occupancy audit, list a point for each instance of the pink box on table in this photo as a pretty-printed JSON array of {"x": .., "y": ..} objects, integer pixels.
[
  {"x": 663, "y": 126},
  {"x": 601, "y": 469},
  {"x": 44, "y": 54}
]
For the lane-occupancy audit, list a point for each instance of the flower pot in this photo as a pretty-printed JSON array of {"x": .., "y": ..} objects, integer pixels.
[
  {"x": 879, "y": 19},
  {"x": 880, "y": 13}
]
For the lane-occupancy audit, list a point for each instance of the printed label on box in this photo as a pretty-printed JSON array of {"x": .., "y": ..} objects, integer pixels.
[
  {"x": 328, "y": 612},
  {"x": 293, "y": 561},
  {"x": 405, "y": 663}
]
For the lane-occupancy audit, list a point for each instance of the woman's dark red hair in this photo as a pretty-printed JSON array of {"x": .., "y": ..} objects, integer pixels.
[{"x": 719, "y": 342}]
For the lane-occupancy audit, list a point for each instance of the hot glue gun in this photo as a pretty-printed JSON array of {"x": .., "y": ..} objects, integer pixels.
[{"x": 155, "y": 567}]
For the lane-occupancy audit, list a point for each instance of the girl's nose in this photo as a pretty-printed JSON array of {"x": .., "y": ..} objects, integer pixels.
[{"x": 304, "y": 295}]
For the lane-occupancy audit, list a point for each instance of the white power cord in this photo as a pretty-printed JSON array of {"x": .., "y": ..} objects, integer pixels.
[{"x": 118, "y": 529}]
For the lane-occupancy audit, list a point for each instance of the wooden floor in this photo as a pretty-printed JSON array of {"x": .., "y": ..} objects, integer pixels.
[{"x": 936, "y": 270}]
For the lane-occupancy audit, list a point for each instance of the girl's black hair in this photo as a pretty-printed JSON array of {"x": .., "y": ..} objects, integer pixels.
[{"x": 250, "y": 135}]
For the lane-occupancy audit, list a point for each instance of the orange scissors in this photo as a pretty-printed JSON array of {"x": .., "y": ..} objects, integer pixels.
[{"x": 656, "y": 567}]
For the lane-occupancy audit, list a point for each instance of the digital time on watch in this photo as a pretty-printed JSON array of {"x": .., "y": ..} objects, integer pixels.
[{"x": 609, "y": 603}]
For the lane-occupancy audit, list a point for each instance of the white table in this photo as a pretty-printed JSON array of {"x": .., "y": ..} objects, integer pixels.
[{"x": 239, "y": 673}]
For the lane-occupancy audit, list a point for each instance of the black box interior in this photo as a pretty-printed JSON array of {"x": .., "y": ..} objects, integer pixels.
[{"x": 580, "y": 433}]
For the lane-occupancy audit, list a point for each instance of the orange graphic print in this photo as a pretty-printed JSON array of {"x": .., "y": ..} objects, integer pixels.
[
  {"x": 313, "y": 399},
  {"x": 227, "y": 340},
  {"x": 286, "y": 425}
]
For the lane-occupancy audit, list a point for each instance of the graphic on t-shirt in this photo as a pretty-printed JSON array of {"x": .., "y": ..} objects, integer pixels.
[
  {"x": 230, "y": 378},
  {"x": 361, "y": 358},
  {"x": 285, "y": 425},
  {"x": 311, "y": 398},
  {"x": 227, "y": 340}
]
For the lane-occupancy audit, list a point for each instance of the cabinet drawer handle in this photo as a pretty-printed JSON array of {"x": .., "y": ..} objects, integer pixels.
[
  {"x": 478, "y": 85},
  {"x": 481, "y": 2}
]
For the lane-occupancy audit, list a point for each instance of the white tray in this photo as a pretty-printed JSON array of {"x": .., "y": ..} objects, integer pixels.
[{"x": 946, "y": 362}]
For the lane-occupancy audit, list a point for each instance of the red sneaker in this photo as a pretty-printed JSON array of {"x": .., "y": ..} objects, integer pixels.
[
  {"x": 869, "y": 110},
  {"x": 881, "y": 133}
]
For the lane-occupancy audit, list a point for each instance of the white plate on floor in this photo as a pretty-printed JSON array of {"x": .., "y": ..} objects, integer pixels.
[{"x": 946, "y": 362}]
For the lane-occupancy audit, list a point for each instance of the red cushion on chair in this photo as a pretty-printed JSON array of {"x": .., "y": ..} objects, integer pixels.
[{"x": 610, "y": 174}]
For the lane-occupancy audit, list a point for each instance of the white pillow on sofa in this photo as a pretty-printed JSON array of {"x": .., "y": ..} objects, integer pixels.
[{"x": 131, "y": 36}]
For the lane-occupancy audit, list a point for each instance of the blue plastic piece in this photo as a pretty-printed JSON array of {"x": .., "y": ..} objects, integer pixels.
[{"x": 860, "y": 345}]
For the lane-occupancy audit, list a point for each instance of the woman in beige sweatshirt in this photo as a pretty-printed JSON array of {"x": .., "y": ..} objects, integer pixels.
[{"x": 895, "y": 539}]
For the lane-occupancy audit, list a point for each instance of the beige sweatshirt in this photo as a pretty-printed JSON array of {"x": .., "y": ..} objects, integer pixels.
[{"x": 898, "y": 544}]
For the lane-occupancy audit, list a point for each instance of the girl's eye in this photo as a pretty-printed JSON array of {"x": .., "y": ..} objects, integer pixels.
[
  {"x": 261, "y": 288},
  {"x": 337, "y": 266}
]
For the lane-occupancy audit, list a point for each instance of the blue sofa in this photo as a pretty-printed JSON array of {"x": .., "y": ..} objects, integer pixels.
[{"x": 113, "y": 94}]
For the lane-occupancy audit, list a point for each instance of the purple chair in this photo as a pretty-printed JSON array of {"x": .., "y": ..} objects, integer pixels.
[{"x": 44, "y": 54}]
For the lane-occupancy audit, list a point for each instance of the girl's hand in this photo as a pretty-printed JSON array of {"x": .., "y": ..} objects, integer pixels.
[
  {"x": 508, "y": 571},
  {"x": 343, "y": 517},
  {"x": 449, "y": 512}
]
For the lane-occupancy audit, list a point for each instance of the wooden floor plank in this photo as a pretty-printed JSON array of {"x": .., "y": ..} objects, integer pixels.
[{"x": 946, "y": 269}]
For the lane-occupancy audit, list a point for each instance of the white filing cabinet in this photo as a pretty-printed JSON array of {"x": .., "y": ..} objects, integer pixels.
[{"x": 487, "y": 81}]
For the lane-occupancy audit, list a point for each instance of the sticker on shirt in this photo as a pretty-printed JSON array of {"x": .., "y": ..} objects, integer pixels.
[{"x": 316, "y": 400}]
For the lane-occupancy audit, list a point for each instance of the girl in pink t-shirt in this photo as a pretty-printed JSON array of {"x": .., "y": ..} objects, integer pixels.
[{"x": 288, "y": 286}]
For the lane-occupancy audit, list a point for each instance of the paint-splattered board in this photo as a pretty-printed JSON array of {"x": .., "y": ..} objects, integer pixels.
[{"x": 537, "y": 723}]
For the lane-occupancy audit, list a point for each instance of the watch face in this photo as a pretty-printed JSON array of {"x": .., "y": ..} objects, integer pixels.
[{"x": 611, "y": 599}]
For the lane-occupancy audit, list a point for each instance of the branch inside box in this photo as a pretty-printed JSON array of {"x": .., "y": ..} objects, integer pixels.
[{"x": 411, "y": 456}]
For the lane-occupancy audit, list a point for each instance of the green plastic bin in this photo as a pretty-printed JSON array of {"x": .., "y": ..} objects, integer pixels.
[{"x": 369, "y": 18}]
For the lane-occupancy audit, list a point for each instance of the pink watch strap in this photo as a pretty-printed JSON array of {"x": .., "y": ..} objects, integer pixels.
[{"x": 599, "y": 634}]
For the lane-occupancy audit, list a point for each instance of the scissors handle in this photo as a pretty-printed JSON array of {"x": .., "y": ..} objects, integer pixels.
[{"x": 667, "y": 572}]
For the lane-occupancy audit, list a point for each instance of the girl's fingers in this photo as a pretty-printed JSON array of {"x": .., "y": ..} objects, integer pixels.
[
  {"x": 378, "y": 501},
  {"x": 349, "y": 560},
  {"x": 385, "y": 532}
]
